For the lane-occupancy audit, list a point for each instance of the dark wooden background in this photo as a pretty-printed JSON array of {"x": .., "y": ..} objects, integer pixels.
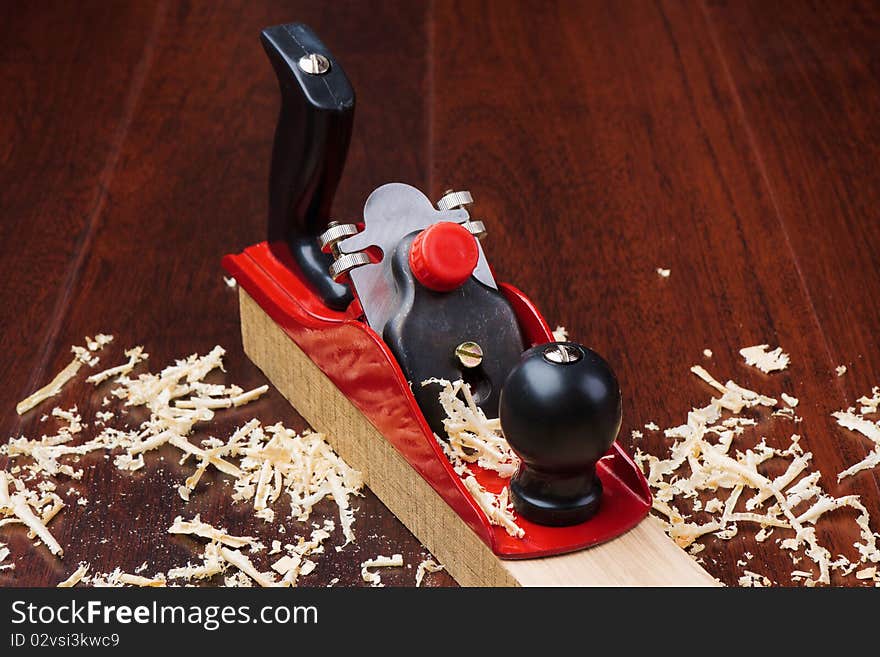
[{"x": 736, "y": 143}]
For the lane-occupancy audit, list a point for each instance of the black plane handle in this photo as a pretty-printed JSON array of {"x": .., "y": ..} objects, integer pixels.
[{"x": 308, "y": 156}]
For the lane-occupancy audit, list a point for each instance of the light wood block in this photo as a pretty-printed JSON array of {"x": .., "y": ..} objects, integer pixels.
[{"x": 644, "y": 556}]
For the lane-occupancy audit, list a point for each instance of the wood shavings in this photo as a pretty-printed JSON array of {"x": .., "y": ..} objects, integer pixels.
[
  {"x": 50, "y": 389},
  {"x": 30, "y": 507},
  {"x": 136, "y": 580},
  {"x": 856, "y": 421},
  {"x": 477, "y": 440},
  {"x": 264, "y": 462},
  {"x": 870, "y": 404},
  {"x": 766, "y": 361},
  {"x": 294, "y": 564},
  {"x": 244, "y": 564},
  {"x": 872, "y": 460},
  {"x": 4, "y": 553},
  {"x": 224, "y": 402},
  {"x": 373, "y": 579},
  {"x": 472, "y": 437},
  {"x": 230, "y": 282},
  {"x": 100, "y": 341},
  {"x": 277, "y": 460},
  {"x": 238, "y": 580},
  {"x": 83, "y": 356},
  {"x": 118, "y": 578},
  {"x": 220, "y": 553},
  {"x": 663, "y": 273},
  {"x": 427, "y": 566},
  {"x": 135, "y": 355},
  {"x": 196, "y": 527},
  {"x": 497, "y": 508},
  {"x": 791, "y": 401},
  {"x": 840, "y": 370},
  {"x": 707, "y": 353},
  {"x": 867, "y": 573},
  {"x": 212, "y": 564},
  {"x": 560, "y": 334},
  {"x": 705, "y": 447},
  {"x": 751, "y": 579}
]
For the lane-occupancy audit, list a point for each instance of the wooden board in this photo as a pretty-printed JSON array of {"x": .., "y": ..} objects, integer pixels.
[{"x": 644, "y": 556}]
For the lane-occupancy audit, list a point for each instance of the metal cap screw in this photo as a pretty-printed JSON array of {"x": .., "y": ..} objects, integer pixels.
[
  {"x": 314, "y": 64},
  {"x": 346, "y": 262},
  {"x": 476, "y": 228},
  {"x": 335, "y": 233},
  {"x": 469, "y": 354},
  {"x": 452, "y": 200},
  {"x": 562, "y": 353}
]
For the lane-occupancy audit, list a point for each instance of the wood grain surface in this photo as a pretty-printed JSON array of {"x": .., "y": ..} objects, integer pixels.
[{"x": 735, "y": 143}]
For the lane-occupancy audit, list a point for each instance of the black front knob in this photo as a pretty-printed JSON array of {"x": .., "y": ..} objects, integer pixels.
[{"x": 560, "y": 410}]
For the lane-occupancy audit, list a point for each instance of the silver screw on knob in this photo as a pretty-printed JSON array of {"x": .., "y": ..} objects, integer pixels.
[
  {"x": 562, "y": 353},
  {"x": 314, "y": 64}
]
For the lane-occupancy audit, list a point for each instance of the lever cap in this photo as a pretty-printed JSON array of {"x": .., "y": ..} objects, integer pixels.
[{"x": 443, "y": 256}]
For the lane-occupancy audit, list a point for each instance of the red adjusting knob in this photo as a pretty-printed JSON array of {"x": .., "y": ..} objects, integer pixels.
[{"x": 443, "y": 256}]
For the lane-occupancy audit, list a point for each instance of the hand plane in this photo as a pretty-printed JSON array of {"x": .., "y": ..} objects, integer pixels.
[{"x": 349, "y": 319}]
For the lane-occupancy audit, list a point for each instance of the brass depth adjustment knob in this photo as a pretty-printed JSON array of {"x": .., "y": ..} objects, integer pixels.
[{"x": 560, "y": 410}]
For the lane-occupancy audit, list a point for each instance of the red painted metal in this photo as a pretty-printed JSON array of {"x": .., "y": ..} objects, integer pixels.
[{"x": 359, "y": 363}]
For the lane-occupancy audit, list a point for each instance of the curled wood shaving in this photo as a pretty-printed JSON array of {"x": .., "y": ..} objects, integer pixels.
[
  {"x": 244, "y": 564},
  {"x": 196, "y": 527},
  {"x": 427, "y": 566},
  {"x": 766, "y": 361},
  {"x": 212, "y": 564},
  {"x": 135, "y": 355},
  {"x": 373, "y": 579},
  {"x": 867, "y": 573},
  {"x": 83, "y": 356},
  {"x": 50, "y": 389},
  {"x": 788, "y": 399},
  {"x": 560, "y": 334},
  {"x": 497, "y": 508},
  {"x": 118, "y": 578},
  {"x": 857, "y": 422}
]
